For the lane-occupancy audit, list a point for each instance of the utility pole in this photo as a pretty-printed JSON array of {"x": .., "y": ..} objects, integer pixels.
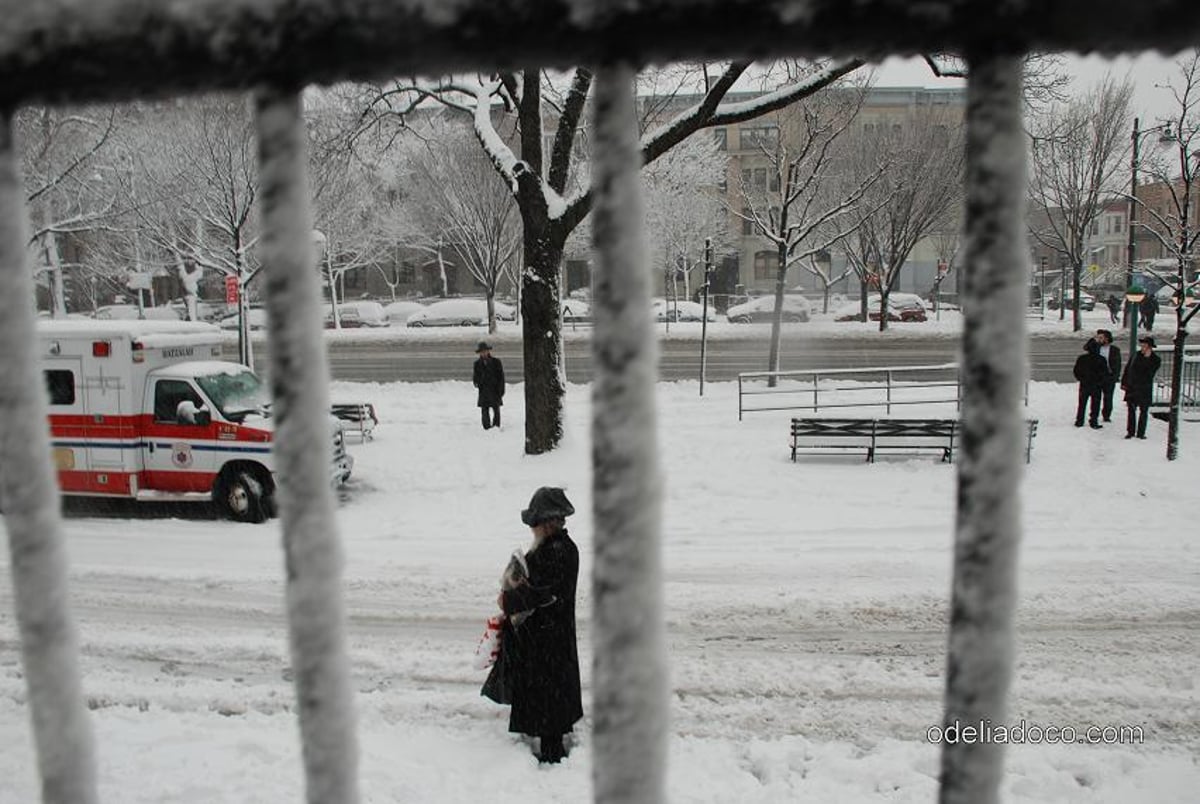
[{"x": 704, "y": 311}]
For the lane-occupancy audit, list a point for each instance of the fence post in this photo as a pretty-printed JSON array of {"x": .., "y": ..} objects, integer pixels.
[
  {"x": 888, "y": 382},
  {"x": 995, "y": 361},
  {"x": 816, "y": 391}
]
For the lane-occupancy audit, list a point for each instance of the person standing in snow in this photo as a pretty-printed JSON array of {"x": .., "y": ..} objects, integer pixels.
[
  {"x": 1138, "y": 384},
  {"x": 1112, "y": 358},
  {"x": 489, "y": 379},
  {"x": 539, "y": 656},
  {"x": 1150, "y": 308},
  {"x": 1114, "y": 308},
  {"x": 1092, "y": 371}
]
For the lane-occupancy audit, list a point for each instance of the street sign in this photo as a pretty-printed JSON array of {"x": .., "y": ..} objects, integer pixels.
[
  {"x": 138, "y": 280},
  {"x": 231, "y": 290},
  {"x": 1094, "y": 268}
]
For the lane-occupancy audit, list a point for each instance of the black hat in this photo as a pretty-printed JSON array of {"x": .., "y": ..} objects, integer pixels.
[
  {"x": 1148, "y": 339},
  {"x": 547, "y": 503},
  {"x": 483, "y": 346}
]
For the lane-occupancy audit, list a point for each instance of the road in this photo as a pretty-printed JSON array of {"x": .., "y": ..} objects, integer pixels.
[{"x": 430, "y": 361}]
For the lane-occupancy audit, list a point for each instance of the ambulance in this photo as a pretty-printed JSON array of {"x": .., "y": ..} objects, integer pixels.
[{"x": 147, "y": 410}]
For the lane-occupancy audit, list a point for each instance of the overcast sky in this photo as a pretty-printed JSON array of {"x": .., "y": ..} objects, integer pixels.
[{"x": 1146, "y": 71}]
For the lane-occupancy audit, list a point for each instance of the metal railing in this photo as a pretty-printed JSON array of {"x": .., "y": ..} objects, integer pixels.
[
  {"x": 1189, "y": 396},
  {"x": 883, "y": 387}
]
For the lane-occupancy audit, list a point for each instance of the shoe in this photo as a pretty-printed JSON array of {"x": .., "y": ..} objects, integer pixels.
[
  {"x": 1107, "y": 419},
  {"x": 1142, "y": 437},
  {"x": 1079, "y": 424},
  {"x": 1096, "y": 426},
  {"x": 1128, "y": 436}
]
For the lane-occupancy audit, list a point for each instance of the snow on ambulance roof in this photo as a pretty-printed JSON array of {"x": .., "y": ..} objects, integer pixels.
[
  {"x": 206, "y": 368},
  {"x": 133, "y": 328}
]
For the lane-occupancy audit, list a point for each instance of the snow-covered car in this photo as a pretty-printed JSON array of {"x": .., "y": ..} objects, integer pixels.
[
  {"x": 129, "y": 312},
  {"x": 256, "y": 316},
  {"x": 681, "y": 310},
  {"x": 576, "y": 310},
  {"x": 796, "y": 309},
  {"x": 354, "y": 314},
  {"x": 901, "y": 307},
  {"x": 398, "y": 311},
  {"x": 459, "y": 313},
  {"x": 1086, "y": 300}
]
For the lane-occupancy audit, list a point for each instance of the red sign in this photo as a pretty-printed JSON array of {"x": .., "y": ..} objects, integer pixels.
[{"x": 231, "y": 290}]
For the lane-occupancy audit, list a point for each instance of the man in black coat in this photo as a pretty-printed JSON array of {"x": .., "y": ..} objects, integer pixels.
[
  {"x": 540, "y": 657},
  {"x": 489, "y": 379},
  {"x": 1138, "y": 384},
  {"x": 1092, "y": 373},
  {"x": 1112, "y": 357},
  {"x": 1150, "y": 308}
]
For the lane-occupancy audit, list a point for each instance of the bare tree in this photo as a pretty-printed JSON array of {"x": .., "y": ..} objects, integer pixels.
[
  {"x": 1174, "y": 227},
  {"x": 922, "y": 185},
  {"x": 551, "y": 199},
  {"x": 796, "y": 206},
  {"x": 453, "y": 193},
  {"x": 1076, "y": 163}
]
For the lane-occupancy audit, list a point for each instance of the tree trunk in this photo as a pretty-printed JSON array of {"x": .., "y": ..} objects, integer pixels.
[
  {"x": 541, "y": 328},
  {"x": 994, "y": 367},
  {"x": 300, "y": 389},
  {"x": 1076, "y": 315},
  {"x": 777, "y": 318},
  {"x": 491, "y": 310},
  {"x": 884, "y": 292},
  {"x": 37, "y": 547},
  {"x": 1181, "y": 334},
  {"x": 630, "y": 680}
]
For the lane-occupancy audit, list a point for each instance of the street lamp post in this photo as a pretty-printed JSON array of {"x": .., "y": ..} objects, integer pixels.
[
  {"x": 1164, "y": 130},
  {"x": 1133, "y": 299}
]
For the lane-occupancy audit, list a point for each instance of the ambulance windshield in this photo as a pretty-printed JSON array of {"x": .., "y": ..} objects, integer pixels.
[{"x": 236, "y": 394}]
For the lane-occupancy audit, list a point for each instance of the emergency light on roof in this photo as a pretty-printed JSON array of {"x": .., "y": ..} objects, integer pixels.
[
  {"x": 101, "y": 348},
  {"x": 138, "y": 355}
]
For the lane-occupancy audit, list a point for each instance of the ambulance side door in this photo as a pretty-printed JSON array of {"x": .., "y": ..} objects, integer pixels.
[{"x": 175, "y": 453}]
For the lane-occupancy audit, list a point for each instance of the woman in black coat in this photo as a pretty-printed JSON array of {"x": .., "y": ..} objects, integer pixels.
[
  {"x": 539, "y": 658},
  {"x": 1138, "y": 383}
]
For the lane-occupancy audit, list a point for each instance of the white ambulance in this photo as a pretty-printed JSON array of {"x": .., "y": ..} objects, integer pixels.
[{"x": 147, "y": 410}]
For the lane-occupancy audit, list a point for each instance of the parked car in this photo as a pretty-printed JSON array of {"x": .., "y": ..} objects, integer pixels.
[
  {"x": 356, "y": 314},
  {"x": 256, "y": 316},
  {"x": 576, "y": 310},
  {"x": 795, "y": 309},
  {"x": 681, "y": 310},
  {"x": 398, "y": 311},
  {"x": 118, "y": 312},
  {"x": 901, "y": 307},
  {"x": 459, "y": 313},
  {"x": 1086, "y": 300}
]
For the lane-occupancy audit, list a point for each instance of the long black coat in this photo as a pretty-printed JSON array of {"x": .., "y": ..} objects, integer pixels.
[
  {"x": 540, "y": 656},
  {"x": 489, "y": 379},
  {"x": 1114, "y": 360},
  {"x": 1091, "y": 370},
  {"x": 1138, "y": 379}
]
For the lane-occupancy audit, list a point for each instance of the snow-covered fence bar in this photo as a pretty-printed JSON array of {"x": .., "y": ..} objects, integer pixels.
[
  {"x": 30, "y": 501},
  {"x": 629, "y": 680},
  {"x": 57, "y": 50},
  {"x": 299, "y": 374},
  {"x": 884, "y": 387},
  {"x": 995, "y": 365},
  {"x": 1189, "y": 379}
]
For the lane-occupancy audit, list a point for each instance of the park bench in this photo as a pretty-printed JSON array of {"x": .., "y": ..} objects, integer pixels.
[
  {"x": 874, "y": 435},
  {"x": 359, "y": 416}
]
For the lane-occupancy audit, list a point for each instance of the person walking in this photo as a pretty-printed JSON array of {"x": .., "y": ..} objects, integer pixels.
[
  {"x": 1149, "y": 309},
  {"x": 489, "y": 379},
  {"x": 1138, "y": 384},
  {"x": 1112, "y": 358},
  {"x": 1091, "y": 371},
  {"x": 539, "y": 657},
  {"x": 1114, "y": 309}
]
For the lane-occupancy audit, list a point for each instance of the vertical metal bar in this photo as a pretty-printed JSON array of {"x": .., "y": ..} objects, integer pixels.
[
  {"x": 630, "y": 689},
  {"x": 888, "y": 382},
  {"x": 816, "y": 391},
  {"x": 29, "y": 497},
  {"x": 708, "y": 256},
  {"x": 300, "y": 387},
  {"x": 995, "y": 364},
  {"x": 739, "y": 397}
]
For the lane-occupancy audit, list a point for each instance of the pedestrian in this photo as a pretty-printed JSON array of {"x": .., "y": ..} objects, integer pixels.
[
  {"x": 1112, "y": 358},
  {"x": 489, "y": 379},
  {"x": 1149, "y": 308},
  {"x": 1138, "y": 384},
  {"x": 1091, "y": 371},
  {"x": 1114, "y": 308},
  {"x": 539, "y": 658}
]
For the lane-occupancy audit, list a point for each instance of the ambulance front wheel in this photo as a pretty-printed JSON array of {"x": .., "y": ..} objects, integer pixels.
[{"x": 243, "y": 496}]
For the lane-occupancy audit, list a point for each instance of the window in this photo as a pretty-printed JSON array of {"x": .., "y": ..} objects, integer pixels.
[
  {"x": 721, "y": 137},
  {"x": 747, "y": 223},
  {"x": 774, "y": 181},
  {"x": 765, "y": 264},
  {"x": 167, "y": 396},
  {"x": 1096, "y": 227},
  {"x": 758, "y": 136},
  {"x": 1118, "y": 224},
  {"x": 60, "y": 384},
  {"x": 760, "y": 180}
]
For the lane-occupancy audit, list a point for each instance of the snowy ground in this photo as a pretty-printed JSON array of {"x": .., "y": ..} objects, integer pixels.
[{"x": 806, "y": 607}]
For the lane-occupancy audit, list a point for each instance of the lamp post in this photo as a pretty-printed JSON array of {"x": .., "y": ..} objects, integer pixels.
[
  {"x": 1164, "y": 130},
  {"x": 1133, "y": 298}
]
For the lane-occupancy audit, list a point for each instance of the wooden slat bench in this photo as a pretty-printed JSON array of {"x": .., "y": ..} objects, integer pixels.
[
  {"x": 360, "y": 416},
  {"x": 873, "y": 435}
]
